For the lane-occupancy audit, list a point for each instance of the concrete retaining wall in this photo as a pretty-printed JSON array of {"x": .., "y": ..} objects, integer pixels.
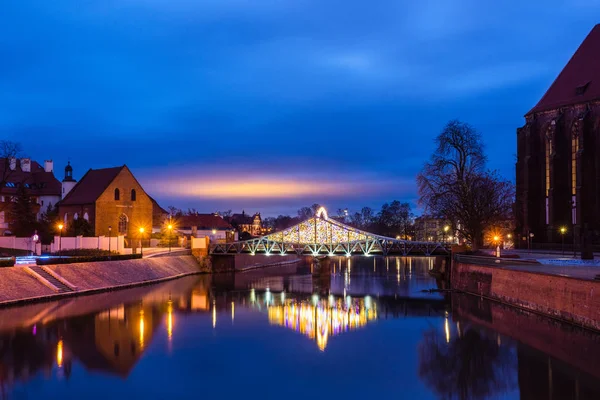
[
  {"x": 107, "y": 274},
  {"x": 573, "y": 300},
  {"x": 16, "y": 285}
]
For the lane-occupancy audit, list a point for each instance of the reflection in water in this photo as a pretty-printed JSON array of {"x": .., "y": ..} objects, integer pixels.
[
  {"x": 470, "y": 366},
  {"x": 473, "y": 350},
  {"x": 323, "y": 319}
]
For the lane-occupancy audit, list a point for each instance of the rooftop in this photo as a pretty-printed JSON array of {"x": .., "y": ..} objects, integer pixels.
[
  {"x": 91, "y": 186},
  {"x": 579, "y": 81}
]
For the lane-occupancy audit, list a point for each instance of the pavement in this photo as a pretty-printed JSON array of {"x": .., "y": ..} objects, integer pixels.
[{"x": 542, "y": 262}]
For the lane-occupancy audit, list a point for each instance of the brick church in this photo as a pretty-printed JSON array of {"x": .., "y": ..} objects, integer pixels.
[
  {"x": 113, "y": 202},
  {"x": 558, "y": 156}
]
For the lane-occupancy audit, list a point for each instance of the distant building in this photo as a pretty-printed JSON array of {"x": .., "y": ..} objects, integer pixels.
[
  {"x": 40, "y": 183},
  {"x": 251, "y": 224},
  {"x": 557, "y": 170},
  {"x": 206, "y": 225},
  {"x": 428, "y": 229},
  {"x": 110, "y": 198}
]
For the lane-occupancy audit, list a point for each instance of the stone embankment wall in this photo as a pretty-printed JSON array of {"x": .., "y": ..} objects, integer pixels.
[
  {"x": 16, "y": 284},
  {"x": 569, "y": 299}
]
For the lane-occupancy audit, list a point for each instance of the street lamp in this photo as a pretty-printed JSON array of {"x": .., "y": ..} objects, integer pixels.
[
  {"x": 60, "y": 228},
  {"x": 170, "y": 228},
  {"x": 109, "y": 237},
  {"x": 497, "y": 243},
  {"x": 563, "y": 230},
  {"x": 446, "y": 229},
  {"x": 141, "y": 245}
]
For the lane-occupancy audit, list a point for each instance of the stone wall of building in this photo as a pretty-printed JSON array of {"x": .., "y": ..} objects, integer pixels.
[
  {"x": 541, "y": 210},
  {"x": 138, "y": 212}
]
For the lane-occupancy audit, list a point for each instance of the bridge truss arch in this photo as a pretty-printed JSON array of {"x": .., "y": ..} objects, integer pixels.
[{"x": 323, "y": 236}]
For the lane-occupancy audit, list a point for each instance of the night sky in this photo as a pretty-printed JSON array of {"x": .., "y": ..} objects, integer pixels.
[{"x": 270, "y": 105}]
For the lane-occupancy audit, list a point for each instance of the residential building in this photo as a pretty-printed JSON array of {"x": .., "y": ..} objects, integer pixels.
[
  {"x": 432, "y": 229},
  {"x": 40, "y": 183},
  {"x": 557, "y": 169},
  {"x": 206, "y": 225},
  {"x": 251, "y": 224},
  {"x": 112, "y": 201}
]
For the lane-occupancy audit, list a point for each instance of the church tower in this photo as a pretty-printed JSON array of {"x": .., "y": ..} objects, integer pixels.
[{"x": 68, "y": 182}]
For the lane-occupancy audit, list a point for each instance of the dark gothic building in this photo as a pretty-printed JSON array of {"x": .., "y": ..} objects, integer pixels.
[{"x": 558, "y": 156}]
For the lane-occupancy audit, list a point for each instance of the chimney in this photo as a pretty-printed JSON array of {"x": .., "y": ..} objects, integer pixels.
[
  {"x": 13, "y": 163},
  {"x": 48, "y": 165},
  {"x": 25, "y": 164}
]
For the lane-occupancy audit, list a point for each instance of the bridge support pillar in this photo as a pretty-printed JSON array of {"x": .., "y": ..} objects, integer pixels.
[{"x": 321, "y": 276}]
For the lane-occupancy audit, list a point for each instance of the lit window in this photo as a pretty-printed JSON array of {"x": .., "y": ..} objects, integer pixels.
[
  {"x": 574, "y": 150},
  {"x": 123, "y": 224},
  {"x": 548, "y": 153}
]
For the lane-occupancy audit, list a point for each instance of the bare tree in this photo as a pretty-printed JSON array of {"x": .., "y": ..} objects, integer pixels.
[
  {"x": 456, "y": 186},
  {"x": 8, "y": 151}
]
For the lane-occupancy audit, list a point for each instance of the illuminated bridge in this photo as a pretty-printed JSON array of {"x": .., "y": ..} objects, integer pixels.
[{"x": 322, "y": 236}]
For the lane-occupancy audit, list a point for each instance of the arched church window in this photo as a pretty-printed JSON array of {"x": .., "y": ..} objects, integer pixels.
[
  {"x": 133, "y": 195},
  {"x": 86, "y": 216},
  {"x": 75, "y": 216},
  {"x": 123, "y": 220},
  {"x": 117, "y": 194}
]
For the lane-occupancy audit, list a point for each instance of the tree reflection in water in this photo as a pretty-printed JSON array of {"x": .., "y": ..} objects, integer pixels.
[{"x": 469, "y": 366}]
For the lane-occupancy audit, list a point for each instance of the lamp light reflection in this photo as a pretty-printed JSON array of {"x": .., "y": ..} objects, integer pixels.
[
  {"x": 447, "y": 329},
  {"x": 59, "y": 353}
]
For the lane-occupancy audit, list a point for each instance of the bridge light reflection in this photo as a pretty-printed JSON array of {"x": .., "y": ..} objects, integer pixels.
[{"x": 322, "y": 320}]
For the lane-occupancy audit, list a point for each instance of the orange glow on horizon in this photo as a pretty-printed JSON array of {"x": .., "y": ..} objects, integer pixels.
[{"x": 262, "y": 187}]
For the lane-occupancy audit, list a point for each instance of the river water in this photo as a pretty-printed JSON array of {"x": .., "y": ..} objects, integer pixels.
[{"x": 369, "y": 330}]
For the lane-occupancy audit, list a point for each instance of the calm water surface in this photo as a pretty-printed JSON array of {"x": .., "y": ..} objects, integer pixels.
[{"x": 368, "y": 330}]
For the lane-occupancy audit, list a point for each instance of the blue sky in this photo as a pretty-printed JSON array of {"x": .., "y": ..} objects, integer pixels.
[{"x": 269, "y": 105}]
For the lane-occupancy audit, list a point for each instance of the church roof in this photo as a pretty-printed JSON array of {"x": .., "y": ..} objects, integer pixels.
[
  {"x": 91, "y": 186},
  {"x": 38, "y": 182},
  {"x": 579, "y": 81}
]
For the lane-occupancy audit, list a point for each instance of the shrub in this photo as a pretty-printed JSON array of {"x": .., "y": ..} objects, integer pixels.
[
  {"x": 5, "y": 252},
  {"x": 7, "y": 262},
  {"x": 85, "y": 253},
  {"x": 85, "y": 259}
]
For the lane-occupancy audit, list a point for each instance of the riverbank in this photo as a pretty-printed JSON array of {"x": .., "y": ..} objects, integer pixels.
[
  {"x": 22, "y": 284},
  {"x": 574, "y": 299}
]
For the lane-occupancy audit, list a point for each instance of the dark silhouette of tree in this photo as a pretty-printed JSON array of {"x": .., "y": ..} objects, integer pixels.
[
  {"x": 455, "y": 185},
  {"x": 21, "y": 214},
  {"x": 394, "y": 219},
  {"x": 47, "y": 224},
  {"x": 175, "y": 212},
  {"x": 8, "y": 151},
  {"x": 80, "y": 227},
  {"x": 308, "y": 212},
  {"x": 470, "y": 367}
]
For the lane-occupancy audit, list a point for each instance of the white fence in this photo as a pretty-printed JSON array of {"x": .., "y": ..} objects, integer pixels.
[
  {"x": 17, "y": 243},
  {"x": 116, "y": 243}
]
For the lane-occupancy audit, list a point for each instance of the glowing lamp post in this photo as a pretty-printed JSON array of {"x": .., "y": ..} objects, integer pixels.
[
  {"x": 141, "y": 244},
  {"x": 497, "y": 242},
  {"x": 109, "y": 237},
  {"x": 170, "y": 228},
  {"x": 563, "y": 230},
  {"x": 60, "y": 228},
  {"x": 446, "y": 229}
]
